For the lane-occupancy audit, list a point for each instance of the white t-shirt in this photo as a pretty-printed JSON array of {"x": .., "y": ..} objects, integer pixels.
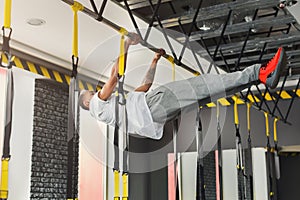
[{"x": 138, "y": 113}]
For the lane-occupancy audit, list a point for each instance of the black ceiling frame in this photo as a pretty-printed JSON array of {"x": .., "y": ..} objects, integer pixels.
[
  {"x": 144, "y": 43},
  {"x": 165, "y": 35},
  {"x": 188, "y": 34},
  {"x": 100, "y": 12},
  {"x": 187, "y": 41},
  {"x": 152, "y": 18},
  {"x": 237, "y": 67},
  {"x": 264, "y": 44},
  {"x": 219, "y": 42}
]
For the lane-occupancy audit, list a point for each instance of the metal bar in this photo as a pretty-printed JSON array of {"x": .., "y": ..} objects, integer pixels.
[
  {"x": 167, "y": 39},
  {"x": 245, "y": 42},
  {"x": 220, "y": 39},
  {"x": 262, "y": 52},
  {"x": 197, "y": 60},
  {"x": 152, "y": 19},
  {"x": 172, "y": 7},
  {"x": 277, "y": 100},
  {"x": 220, "y": 10},
  {"x": 118, "y": 28},
  {"x": 102, "y": 8},
  {"x": 258, "y": 59},
  {"x": 95, "y": 16},
  {"x": 275, "y": 106},
  {"x": 242, "y": 51},
  {"x": 289, "y": 28},
  {"x": 256, "y": 106},
  {"x": 243, "y": 27},
  {"x": 141, "y": 4},
  {"x": 190, "y": 31},
  {"x": 225, "y": 61},
  {"x": 262, "y": 100},
  {"x": 257, "y": 43},
  {"x": 94, "y": 6},
  {"x": 193, "y": 52},
  {"x": 132, "y": 18},
  {"x": 292, "y": 101}
]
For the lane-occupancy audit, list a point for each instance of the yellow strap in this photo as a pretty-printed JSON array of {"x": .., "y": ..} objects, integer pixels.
[
  {"x": 275, "y": 129},
  {"x": 117, "y": 184},
  {"x": 197, "y": 74},
  {"x": 4, "y": 179},
  {"x": 248, "y": 115},
  {"x": 122, "y": 56},
  {"x": 173, "y": 72},
  {"x": 125, "y": 185},
  {"x": 123, "y": 31},
  {"x": 267, "y": 124},
  {"x": 171, "y": 60},
  {"x": 236, "y": 114},
  {"x": 7, "y": 14},
  {"x": 76, "y": 7}
]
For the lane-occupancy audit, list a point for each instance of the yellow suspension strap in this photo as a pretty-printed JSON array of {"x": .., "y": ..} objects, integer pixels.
[
  {"x": 268, "y": 146},
  {"x": 6, "y": 62},
  {"x": 172, "y": 61},
  {"x": 239, "y": 152},
  {"x": 276, "y": 156},
  {"x": 250, "y": 171},
  {"x": 72, "y": 182},
  {"x": 277, "y": 165},
  {"x": 121, "y": 102}
]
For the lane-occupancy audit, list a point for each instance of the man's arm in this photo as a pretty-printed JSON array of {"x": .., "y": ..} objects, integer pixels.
[
  {"x": 110, "y": 85},
  {"x": 149, "y": 77}
]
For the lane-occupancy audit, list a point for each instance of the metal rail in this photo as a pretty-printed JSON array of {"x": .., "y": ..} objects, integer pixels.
[{"x": 119, "y": 28}]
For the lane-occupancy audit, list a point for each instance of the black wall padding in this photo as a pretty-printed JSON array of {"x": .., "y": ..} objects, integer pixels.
[{"x": 49, "y": 145}]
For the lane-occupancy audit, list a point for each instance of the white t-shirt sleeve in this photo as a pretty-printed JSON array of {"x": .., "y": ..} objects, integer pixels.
[{"x": 101, "y": 110}]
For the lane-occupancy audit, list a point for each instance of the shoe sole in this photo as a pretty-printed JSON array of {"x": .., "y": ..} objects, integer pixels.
[{"x": 280, "y": 70}]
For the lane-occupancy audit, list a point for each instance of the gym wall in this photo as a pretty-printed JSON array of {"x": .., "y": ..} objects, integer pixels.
[{"x": 22, "y": 127}]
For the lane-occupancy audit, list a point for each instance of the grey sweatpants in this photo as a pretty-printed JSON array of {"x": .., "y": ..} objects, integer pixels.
[{"x": 167, "y": 101}]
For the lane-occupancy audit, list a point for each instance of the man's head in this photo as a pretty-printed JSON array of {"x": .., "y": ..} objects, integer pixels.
[{"x": 85, "y": 98}]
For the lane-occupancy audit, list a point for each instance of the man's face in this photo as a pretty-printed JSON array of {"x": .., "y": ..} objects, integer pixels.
[{"x": 88, "y": 96}]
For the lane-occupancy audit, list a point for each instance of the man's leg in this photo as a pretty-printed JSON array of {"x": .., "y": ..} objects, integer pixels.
[{"x": 165, "y": 102}]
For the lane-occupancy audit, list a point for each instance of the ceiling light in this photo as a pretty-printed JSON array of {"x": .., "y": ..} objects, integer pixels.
[
  {"x": 36, "y": 22},
  {"x": 204, "y": 28}
]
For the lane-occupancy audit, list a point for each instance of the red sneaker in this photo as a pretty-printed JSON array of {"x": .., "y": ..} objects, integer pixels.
[{"x": 270, "y": 73}]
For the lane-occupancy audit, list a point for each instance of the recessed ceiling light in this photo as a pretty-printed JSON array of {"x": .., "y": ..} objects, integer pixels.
[
  {"x": 204, "y": 28},
  {"x": 36, "y": 22}
]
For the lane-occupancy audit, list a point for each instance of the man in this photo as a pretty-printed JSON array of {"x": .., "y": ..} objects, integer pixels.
[{"x": 148, "y": 112}]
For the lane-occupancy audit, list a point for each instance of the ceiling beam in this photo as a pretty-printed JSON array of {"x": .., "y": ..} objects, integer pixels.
[
  {"x": 219, "y": 10},
  {"x": 242, "y": 27},
  {"x": 256, "y": 44},
  {"x": 135, "y": 4},
  {"x": 266, "y": 56}
]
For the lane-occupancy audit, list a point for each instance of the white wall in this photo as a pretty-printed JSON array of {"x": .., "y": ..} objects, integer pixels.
[
  {"x": 260, "y": 182},
  {"x": 21, "y": 137},
  {"x": 229, "y": 171},
  {"x": 230, "y": 184},
  {"x": 92, "y": 158}
]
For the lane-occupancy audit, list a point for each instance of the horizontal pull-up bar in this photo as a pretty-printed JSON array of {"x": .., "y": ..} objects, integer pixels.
[{"x": 120, "y": 29}]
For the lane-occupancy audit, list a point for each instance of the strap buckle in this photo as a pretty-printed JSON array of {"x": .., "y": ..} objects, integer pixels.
[{"x": 6, "y": 49}]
